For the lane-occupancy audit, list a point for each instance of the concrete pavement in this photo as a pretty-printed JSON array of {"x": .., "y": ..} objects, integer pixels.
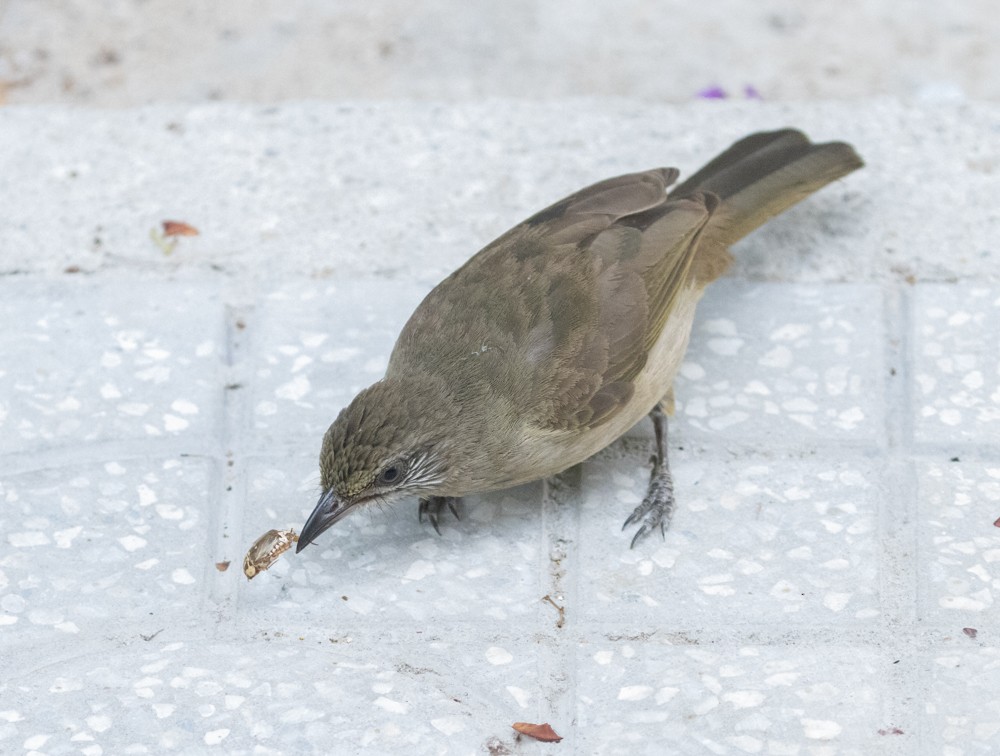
[{"x": 826, "y": 587}]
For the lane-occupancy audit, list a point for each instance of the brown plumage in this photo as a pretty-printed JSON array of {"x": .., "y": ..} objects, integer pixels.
[{"x": 560, "y": 335}]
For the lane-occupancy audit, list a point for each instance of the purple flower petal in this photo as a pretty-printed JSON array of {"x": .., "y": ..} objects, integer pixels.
[{"x": 713, "y": 93}]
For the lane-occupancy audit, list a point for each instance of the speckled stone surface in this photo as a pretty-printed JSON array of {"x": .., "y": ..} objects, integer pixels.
[{"x": 829, "y": 584}]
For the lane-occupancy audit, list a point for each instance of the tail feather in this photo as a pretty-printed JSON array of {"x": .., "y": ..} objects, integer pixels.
[{"x": 762, "y": 175}]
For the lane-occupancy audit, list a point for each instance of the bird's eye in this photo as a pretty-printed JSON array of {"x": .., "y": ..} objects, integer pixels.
[{"x": 390, "y": 474}]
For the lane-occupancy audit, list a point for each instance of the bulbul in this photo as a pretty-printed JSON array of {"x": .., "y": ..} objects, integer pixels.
[{"x": 559, "y": 336}]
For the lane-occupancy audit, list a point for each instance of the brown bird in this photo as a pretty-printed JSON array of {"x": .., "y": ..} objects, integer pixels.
[{"x": 559, "y": 336}]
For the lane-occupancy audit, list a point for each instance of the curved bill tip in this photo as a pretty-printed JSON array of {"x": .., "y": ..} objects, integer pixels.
[{"x": 329, "y": 510}]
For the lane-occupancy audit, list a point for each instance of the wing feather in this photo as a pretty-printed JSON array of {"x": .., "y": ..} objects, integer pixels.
[{"x": 563, "y": 309}]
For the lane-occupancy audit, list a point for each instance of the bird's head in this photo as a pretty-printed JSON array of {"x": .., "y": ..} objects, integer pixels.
[{"x": 394, "y": 440}]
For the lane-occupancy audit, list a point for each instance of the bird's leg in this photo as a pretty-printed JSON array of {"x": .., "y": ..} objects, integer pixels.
[
  {"x": 657, "y": 508},
  {"x": 433, "y": 506}
]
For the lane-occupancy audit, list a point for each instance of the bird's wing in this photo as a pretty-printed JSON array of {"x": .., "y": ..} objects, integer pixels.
[
  {"x": 606, "y": 305},
  {"x": 558, "y": 315}
]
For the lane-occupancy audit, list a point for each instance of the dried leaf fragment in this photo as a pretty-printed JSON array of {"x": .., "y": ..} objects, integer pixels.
[
  {"x": 542, "y": 732},
  {"x": 970, "y": 631},
  {"x": 996, "y": 523},
  {"x": 222, "y": 566},
  {"x": 266, "y": 550},
  {"x": 890, "y": 731},
  {"x": 178, "y": 228}
]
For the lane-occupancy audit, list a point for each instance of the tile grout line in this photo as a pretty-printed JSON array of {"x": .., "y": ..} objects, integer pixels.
[
  {"x": 896, "y": 522},
  {"x": 559, "y": 618},
  {"x": 228, "y": 523},
  {"x": 896, "y": 513},
  {"x": 98, "y": 452}
]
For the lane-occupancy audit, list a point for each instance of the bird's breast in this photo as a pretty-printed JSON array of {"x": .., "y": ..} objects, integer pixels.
[{"x": 542, "y": 452}]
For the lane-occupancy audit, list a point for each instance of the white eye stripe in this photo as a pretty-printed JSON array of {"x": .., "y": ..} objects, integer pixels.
[{"x": 421, "y": 470}]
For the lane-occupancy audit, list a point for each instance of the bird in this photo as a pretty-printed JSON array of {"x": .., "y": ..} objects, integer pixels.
[{"x": 559, "y": 336}]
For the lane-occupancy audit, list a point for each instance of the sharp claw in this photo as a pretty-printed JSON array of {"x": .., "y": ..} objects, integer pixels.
[
  {"x": 638, "y": 535},
  {"x": 433, "y": 506}
]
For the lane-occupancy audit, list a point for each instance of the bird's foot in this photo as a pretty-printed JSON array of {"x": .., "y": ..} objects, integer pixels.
[
  {"x": 657, "y": 508},
  {"x": 434, "y": 506}
]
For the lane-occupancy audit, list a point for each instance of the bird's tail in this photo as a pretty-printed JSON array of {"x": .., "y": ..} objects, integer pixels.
[{"x": 763, "y": 175}]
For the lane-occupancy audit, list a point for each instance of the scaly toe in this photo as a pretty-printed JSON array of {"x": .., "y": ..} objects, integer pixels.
[
  {"x": 656, "y": 509},
  {"x": 432, "y": 507}
]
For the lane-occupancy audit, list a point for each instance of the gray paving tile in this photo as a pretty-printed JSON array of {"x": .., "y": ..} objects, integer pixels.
[
  {"x": 91, "y": 360},
  {"x": 956, "y": 363},
  {"x": 779, "y": 542},
  {"x": 654, "y": 699},
  {"x": 91, "y": 548},
  {"x": 785, "y": 363},
  {"x": 415, "y": 188},
  {"x": 960, "y": 546},
  {"x": 287, "y": 696},
  {"x": 962, "y": 712}
]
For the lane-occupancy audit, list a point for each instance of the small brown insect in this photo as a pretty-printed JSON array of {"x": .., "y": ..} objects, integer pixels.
[{"x": 266, "y": 550}]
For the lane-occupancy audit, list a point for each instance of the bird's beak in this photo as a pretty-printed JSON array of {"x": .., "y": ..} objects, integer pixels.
[{"x": 330, "y": 509}]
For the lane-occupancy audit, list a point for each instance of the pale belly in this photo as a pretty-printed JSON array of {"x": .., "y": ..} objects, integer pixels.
[{"x": 551, "y": 452}]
